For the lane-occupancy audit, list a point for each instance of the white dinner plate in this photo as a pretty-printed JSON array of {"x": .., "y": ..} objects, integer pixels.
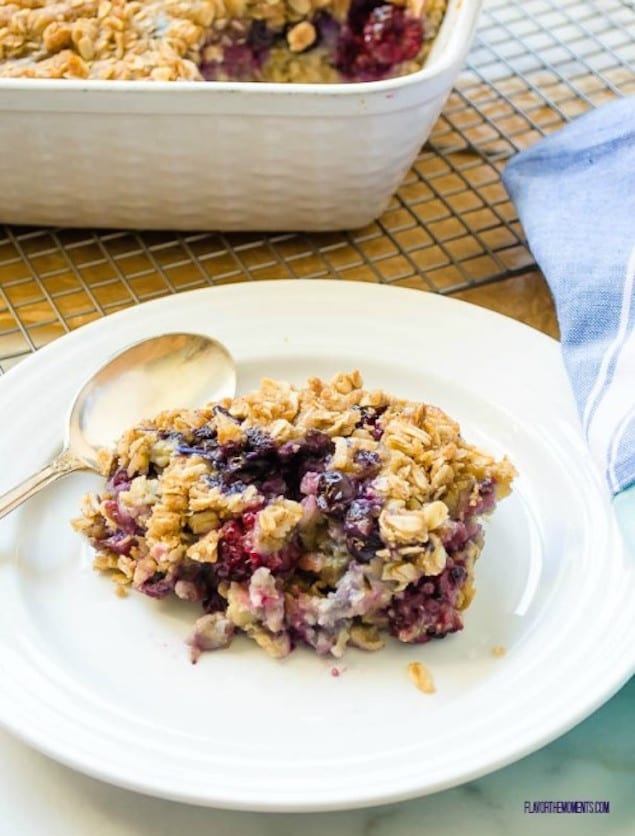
[{"x": 105, "y": 685}]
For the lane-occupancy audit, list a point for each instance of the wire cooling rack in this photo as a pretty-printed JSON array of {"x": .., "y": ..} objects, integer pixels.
[{"x": 450, "y": 227}]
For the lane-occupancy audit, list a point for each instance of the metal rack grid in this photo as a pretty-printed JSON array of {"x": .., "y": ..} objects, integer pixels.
[{"x": 450, "y": 227}]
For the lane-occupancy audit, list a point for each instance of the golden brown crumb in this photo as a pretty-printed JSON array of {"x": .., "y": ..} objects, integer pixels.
[
  {"x": 421, "y": 677},
  {"x": 301, "y": 36},
  {"x": 121, "y": 591},
  {"x": 498, "y": 650}
]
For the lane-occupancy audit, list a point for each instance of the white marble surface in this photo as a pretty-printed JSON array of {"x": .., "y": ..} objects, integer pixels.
[{"x": 595, "y": 761}]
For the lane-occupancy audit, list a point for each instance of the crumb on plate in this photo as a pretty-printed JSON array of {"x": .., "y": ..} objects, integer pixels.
[{"x": 421, "y": 677}]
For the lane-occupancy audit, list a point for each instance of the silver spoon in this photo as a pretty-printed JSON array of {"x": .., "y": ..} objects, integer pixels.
[{"x": 167, "y": 372}]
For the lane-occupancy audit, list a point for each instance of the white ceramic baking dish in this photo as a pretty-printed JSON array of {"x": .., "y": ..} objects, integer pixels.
[{"x": 219, "y": 155}]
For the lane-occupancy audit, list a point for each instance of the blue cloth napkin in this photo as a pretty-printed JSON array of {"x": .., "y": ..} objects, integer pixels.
[{"x": 575, "y": 196}]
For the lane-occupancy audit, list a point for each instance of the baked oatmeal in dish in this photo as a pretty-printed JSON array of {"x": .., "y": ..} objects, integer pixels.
[
  {"x": 217, "y": 40},
  {"x": 326, "y": 515}
]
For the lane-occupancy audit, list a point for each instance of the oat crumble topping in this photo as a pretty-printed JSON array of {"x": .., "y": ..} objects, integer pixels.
[
  {"x": 244, "y": 40},
  {"x": 327, "y": 515}
]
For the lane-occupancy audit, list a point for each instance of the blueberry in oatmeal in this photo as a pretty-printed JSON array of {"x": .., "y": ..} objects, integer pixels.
[
  {"x": 217, "y": 40},
  {"x": 325, "y": 516}
]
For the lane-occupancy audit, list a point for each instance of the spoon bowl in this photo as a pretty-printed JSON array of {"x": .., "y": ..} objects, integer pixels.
[
  {"x": 169, "y": 371},
  {"x": 166, "y": 372}
]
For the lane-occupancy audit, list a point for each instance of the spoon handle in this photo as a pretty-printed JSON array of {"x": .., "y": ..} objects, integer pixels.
[{"x": 66, "y": 462}]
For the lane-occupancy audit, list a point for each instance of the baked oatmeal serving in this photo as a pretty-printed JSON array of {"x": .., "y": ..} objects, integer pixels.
[
  {"x": 217, "y": 40},
  {"x": 326, "y": 515}
]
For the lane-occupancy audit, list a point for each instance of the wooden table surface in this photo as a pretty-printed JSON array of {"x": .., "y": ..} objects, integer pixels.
[{"x": 526, "y": 298}]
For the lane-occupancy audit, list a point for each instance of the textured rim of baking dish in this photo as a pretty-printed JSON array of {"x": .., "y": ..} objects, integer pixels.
[{"x": 449, "y": 50}]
